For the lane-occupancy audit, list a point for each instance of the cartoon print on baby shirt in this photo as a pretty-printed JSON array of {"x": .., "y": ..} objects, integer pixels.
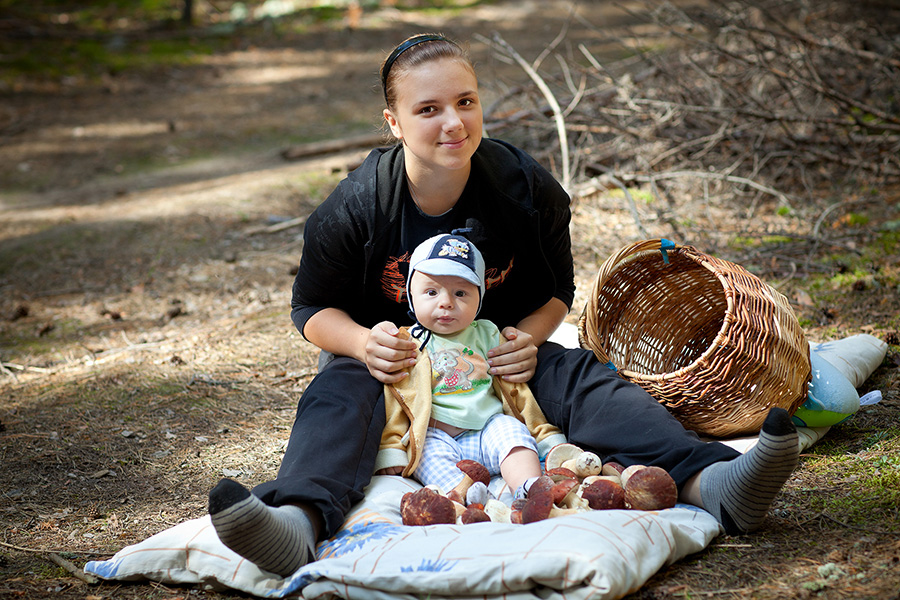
[{"x": 454, "y": 372}]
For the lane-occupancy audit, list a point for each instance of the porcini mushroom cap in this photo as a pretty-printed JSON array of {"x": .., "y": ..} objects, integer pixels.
[
  {"x": 542, "y": 483},
  {"x": 612, "y": 468},
  {"x": 475, "y": 470},
  {"x": 651, "y": 488},
  {"x": 604, "y": 494},
  {"x": 559, "y": 473},
  {"x": 589, "y": 480},
  {"x": 474, "y": 515},
  {"x": 562, "y": 488},
  {"x": 538, "y": 506},
  {"x": 426, "y": 507},
  {"x": 629, "y": 471}
]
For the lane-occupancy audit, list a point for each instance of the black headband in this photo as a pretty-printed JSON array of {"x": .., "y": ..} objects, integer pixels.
[{"x": 406, "y": 45}]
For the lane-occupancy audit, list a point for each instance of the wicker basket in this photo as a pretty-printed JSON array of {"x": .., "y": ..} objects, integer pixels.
[{"x": 709, "y": 340}]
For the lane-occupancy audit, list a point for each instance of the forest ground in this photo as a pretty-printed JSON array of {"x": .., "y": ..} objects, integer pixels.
[{"x": 146, "y": 258}]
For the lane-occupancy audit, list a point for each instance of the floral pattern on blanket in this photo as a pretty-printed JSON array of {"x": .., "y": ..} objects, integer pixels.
[{"x": 366, "y": 528}]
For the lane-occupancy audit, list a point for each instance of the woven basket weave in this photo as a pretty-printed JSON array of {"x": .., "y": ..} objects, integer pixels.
[{"x": 706, "y": 338}]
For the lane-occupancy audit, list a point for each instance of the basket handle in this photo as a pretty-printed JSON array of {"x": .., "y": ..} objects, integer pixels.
[{"x": 590, "y": 320}]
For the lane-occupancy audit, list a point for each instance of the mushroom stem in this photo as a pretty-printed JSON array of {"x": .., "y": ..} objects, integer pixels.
[{"x": 458, "y": 494}]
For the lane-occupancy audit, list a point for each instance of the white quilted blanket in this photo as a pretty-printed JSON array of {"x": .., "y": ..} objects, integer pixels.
[{"x": 603, "y": 554}]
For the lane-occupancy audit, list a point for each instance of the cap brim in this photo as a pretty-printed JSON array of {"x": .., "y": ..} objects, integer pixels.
[{"x": 443, "y": 267}]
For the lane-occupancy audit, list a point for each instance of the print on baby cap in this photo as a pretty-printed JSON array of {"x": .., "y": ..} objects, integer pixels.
[{"x": 455, "y": 247}]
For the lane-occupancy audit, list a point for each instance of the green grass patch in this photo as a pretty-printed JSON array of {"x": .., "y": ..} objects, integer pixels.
[
  {"x": 857, "y": 220},
  {"x": 857, "y": 484},
  {"x": 91, "y": 59},
  {"x": 97, "y": 15},
  {"x": 88, "y": 40},
  {"x": 742, "y": 241},
  {"x": 860, "y": 272},
  {"x": 639, "y": 195}
]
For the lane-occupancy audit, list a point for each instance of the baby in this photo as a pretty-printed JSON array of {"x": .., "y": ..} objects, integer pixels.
[{"x": 470, "y": 414}]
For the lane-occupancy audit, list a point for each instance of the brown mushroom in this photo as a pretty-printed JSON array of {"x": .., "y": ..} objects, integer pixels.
[
  {"x": 542, "y": 483},
  {"x": 558, "y": 474},
  {"x": 612, "y": 468},
  {"x": 629, "y": 471},
  {"x": 472, "y": 471},
  {"x": 473, "y": 514},
  {"x": 426, "y": 507},
  {"x": 562, "y": 488},
  {"x": 589, "y": 480},
  {"x": 604, "y": 494},
  {"x": 540, "y": 506},
  {"x": 650, "y": 488}
]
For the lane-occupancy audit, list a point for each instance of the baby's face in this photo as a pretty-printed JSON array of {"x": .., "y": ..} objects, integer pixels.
[{"x": 443, "y": 303}]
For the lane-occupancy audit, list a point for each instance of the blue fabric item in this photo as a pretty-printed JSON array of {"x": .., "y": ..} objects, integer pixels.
[
  {"x": 666, "y": 245},
  {"x": 832, "y": 398}
]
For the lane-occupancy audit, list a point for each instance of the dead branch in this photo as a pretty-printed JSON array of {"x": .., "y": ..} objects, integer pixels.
[
  {"x": 332, "y": 146},
  {"x": 295, "y": 222},
  {"x": 747, "y": 104},
  {"x": 71, "y": 568},
  {"x": 551, "y": 99}
]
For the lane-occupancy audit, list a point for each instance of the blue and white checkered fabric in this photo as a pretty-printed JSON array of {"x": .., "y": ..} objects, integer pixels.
[{"x": 489, "y": 446}]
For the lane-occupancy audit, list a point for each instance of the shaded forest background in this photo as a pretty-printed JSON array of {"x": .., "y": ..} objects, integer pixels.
[{"x": 157, "y": 174}]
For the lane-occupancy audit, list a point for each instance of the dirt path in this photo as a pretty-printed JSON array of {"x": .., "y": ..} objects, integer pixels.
[
  {"x": 73, "y": 143},
  {"x": 144, "y": 288}
]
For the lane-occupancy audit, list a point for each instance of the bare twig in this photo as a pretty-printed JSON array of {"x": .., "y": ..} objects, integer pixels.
[
  {"x": 71, "y": 568},
  {"x": 7, "y": 372},
  {"x": 296, "y": 222},
  {"x": 331, "y": 146},
  {"x": 45, "y": 551},
  {"x": 707, "y": 175},
  {"x": 551, "y": 99}
]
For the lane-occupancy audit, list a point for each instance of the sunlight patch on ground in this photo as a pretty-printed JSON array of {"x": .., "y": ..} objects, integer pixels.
[
  {"x": 280, "y": 74},
  {"x": 111, "y": 129}
]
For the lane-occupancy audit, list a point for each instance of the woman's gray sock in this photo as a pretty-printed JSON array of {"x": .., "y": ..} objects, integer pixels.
[
  {"x": 738, "y": 493},
  {"x": 278, "y": 539}
]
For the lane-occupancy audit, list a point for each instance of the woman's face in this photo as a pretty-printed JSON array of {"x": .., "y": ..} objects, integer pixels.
[{"x": 437, "y": 114}]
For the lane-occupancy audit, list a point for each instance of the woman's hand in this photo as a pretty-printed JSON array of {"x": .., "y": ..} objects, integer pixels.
[
  {"x": 515, "y": 359},
  {"x": 389, "y": 471},
  {"x": 387, "y": 354}
]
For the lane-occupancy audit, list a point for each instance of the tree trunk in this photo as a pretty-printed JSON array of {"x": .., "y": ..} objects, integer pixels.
[{"x": 187, "y": 12}]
